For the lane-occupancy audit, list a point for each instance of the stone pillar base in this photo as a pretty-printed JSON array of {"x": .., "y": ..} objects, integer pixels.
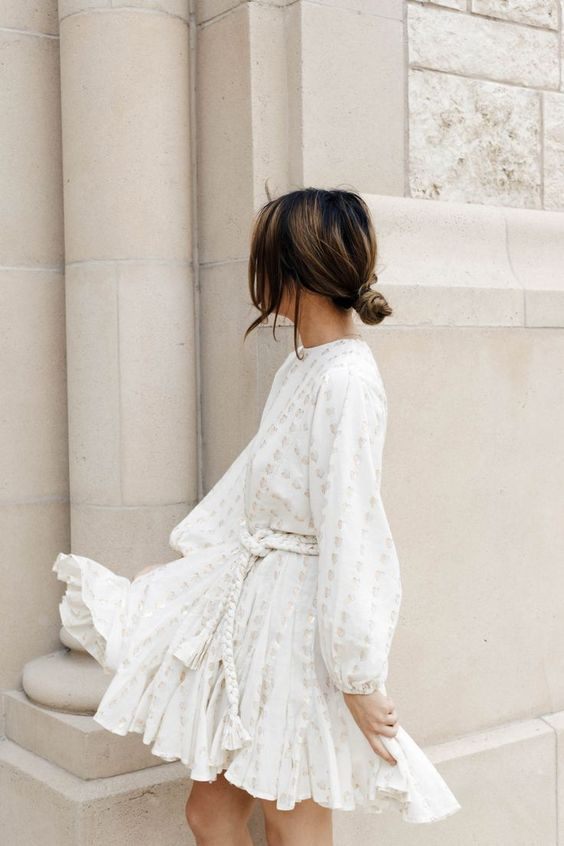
[
  {"x": 45, "y": 804},
  {"x": 74, "y": 742}
]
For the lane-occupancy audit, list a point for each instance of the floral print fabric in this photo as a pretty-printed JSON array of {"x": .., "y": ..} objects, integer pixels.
[{"x": 293, "y": 540}]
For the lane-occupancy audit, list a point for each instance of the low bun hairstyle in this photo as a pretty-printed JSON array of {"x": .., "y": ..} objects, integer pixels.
[
  {"x": 371, "y": 306},
  {"x": 320, "y": 240}
]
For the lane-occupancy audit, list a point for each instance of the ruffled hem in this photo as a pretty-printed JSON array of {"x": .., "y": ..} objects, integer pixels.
[
  {"x": 396, "y": 794},
  {"x": 93, "y": 606},
  {"x": 310, "y": 750},
  {"x": 384, "y": 800}
]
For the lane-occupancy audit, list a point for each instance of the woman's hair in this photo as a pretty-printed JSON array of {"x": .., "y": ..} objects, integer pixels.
[{"x": 323, "y": 241}]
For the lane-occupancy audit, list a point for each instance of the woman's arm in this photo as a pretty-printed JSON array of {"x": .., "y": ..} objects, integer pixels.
[{"x": 359, "y": 588}]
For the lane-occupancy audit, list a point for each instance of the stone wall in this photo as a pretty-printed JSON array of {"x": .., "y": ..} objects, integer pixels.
[
  {"x": 138, "y": 139},
  {"x": 486, "y": 101}
]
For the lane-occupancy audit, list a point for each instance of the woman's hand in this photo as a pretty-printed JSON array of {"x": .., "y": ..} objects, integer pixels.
[{"x": 374, "y": 714}]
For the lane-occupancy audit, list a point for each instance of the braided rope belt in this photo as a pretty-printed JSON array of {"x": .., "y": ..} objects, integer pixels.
[{"x": 255, "y": 544}]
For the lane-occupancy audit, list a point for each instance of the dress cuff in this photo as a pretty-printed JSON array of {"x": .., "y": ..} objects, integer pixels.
[{"x": 356, "y": 687}]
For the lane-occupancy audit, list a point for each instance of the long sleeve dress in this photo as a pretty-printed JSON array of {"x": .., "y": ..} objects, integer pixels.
[{"x": 285, "y": 593}]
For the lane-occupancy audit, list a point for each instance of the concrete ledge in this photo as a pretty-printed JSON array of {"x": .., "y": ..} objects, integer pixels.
[
  {"x": 460, "y": 264},
  {"x": 74, "y": 743},
  {"x": 43, "y": 804}
]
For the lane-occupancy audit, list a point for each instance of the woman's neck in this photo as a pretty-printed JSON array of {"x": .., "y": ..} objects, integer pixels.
[{"x": 321, "y": 322}]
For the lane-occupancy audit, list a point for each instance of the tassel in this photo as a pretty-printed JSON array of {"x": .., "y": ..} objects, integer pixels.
[
  {"x": 234, "y": 733},
  {"x": 192, "y": 651}
]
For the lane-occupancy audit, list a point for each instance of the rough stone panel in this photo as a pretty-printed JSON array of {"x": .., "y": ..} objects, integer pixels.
[
  {"x": 554, "y": 151},
  {"x": 473, "y": 141},
  {"x": 562, "y": 45},
  {"x": 536, "y": 12},
  {"x": 466, "y": 44}
]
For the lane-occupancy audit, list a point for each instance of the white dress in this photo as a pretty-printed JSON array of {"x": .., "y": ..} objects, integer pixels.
[{"x": 233, "y": 656}]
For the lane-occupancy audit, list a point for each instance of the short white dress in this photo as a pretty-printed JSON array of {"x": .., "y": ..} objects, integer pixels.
[{"x": 286, "y": 591}]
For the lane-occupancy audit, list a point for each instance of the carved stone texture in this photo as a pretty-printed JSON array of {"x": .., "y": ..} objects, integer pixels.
[
  {"x": 473, "y": 141},
  {"x": 477, "y": 46},
  {"x": 536, "y": 12}
]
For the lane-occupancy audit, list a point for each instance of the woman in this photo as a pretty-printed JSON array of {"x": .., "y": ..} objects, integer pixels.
[{"x": 259, "y": 658}]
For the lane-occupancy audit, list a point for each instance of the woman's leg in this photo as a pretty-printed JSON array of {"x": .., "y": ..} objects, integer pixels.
[
  {"x": 217, "y": 813},
  {"x": 307, "y": 824}
]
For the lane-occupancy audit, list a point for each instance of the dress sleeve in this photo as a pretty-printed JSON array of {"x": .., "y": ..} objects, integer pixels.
[
  {"x": 359, "y": 585},
  {"x": 216, "y": 517}
]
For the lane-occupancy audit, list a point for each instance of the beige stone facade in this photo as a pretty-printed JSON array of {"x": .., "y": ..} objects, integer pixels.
[
  {"x": 486, "y": 102},
  {"x": 137, "y": 138}
]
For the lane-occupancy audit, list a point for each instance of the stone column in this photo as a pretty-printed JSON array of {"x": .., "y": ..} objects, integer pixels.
[
  {"x": 131, "y": 385},
  {"x": 125, "y": 85},
  {"x": 33, "y": 417},
  {"x": 130, "y": 326}
]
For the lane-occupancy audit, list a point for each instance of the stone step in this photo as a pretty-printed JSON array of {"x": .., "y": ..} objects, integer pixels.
[
  {"x": 73, "y": 742},
  {"x": 44, "y": 804}
]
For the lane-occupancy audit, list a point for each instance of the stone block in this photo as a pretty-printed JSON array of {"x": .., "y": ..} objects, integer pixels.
[
  {"x": 476, "y": 46},
  {"x": 208, "y": 9},
  {"x": 32, "y": 534},
  {"x": 535, "y": 244},
  {"x": 225, "y": 146},
  {"x": 33, "y": 427},
  {"x": 270, "y": 42},
  {"x": 45, "y": 804},
  {"x": 535, "y": 12},
  {"x": 466, "y": 453},
  {"x": 158, "y": 413},
  {"x": 443, "y": 305},
  {"x": 450, "y": 4},
  {"x": 131, "y": 383},
  {"x": 544, "y": 308},
  {"x": 562, "y": 43},
  {"x": 31, "y": 16},
  {"x": 556, "y": 721},
  {"x": 383, "y": 8},
  {"x": 30, "y": 164},
  {"x": 468, "y": 263},
  {"x": 177, "y": 8},
  {"x": 473, "y": 141},
  {"x": 93, "y": 349},
  {"x": 553, "y": 139},
  {"x": 437, "y": 245},
  {"x": 225, "y": 313},
  {"x": 351, "y": 100},
  {"x": 73, "y": 742},
  {"x": 126, "y": 136}
]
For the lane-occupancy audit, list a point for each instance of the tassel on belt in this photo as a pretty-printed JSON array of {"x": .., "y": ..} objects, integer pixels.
[{"x": 255, "y": 545}]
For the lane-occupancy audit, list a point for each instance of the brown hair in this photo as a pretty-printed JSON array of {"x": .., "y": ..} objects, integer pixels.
[{"x": 320, "y": 240}]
